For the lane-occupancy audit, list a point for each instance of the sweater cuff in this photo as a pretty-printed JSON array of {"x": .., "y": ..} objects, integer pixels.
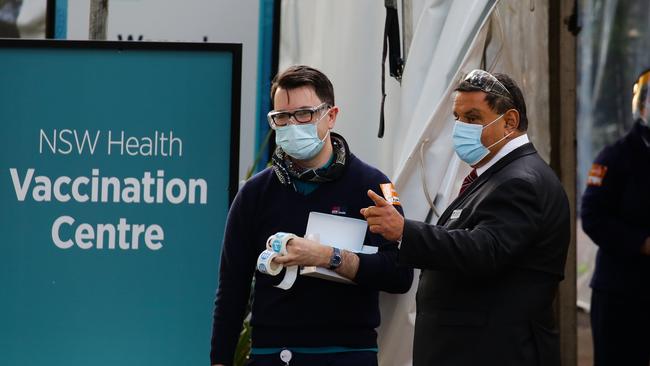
[{"x": 366, "y": 268}]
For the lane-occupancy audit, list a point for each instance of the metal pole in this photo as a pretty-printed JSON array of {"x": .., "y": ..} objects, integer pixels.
[
  {"x": 98, "y": 19},
  {"x": 407, "y": 27}
]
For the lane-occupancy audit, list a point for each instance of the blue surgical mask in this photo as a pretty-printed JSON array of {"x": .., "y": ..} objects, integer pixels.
[
  {"x": 467, "y": 141},
  {"x": 300, "y": 141}
]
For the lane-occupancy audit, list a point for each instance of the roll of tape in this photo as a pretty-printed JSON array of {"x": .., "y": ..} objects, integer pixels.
[
  {"x": 276, "y": 245},
  {"x": 266, "y": 265},
  {"x": 289, "y": 278},
  {"x": 278, "y": 242}
]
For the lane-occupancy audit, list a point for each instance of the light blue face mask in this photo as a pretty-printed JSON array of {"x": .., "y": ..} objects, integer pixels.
[
  {"x": 301, "y": 141},
  {"x": 467, "y": 141}
]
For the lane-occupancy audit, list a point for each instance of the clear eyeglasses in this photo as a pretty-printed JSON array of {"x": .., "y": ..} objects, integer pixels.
[
  {"x": 487, "y": 83},
  {"x": 303, "y": 115}
]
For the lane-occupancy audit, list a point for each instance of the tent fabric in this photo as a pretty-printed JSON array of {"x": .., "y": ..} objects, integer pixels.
[
  {"x": 344, "y": 39},
  {"x": 426, "y": 103},
  {"x": 450, "y": 38}
]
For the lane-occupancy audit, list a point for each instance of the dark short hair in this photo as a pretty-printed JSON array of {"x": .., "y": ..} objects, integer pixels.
[
  {"x": 301, "y": 75},
  {"x": 500, "y": 104}
]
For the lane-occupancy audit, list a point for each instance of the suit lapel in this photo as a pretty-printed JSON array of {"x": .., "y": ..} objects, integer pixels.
[{"x": 517, "y": 153}]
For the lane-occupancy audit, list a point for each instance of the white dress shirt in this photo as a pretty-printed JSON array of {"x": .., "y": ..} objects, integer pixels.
[{"x": 505, "y": 150}]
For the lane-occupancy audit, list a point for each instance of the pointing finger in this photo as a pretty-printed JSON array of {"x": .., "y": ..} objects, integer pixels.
[{"x": 377, "y": 199}]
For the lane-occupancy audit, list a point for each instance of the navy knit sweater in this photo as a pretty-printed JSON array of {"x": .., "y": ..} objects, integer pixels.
[
  {"x": 613, "y": 215},
  {"x": 314, "y": 312}
]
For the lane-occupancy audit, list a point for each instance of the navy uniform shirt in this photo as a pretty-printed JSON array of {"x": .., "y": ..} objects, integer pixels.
[
  {"x": 616, "y": 213},
  {"x": 315, "y": 313}
]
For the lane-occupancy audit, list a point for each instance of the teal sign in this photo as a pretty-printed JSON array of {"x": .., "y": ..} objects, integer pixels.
[{"x": 117, "y": 165}]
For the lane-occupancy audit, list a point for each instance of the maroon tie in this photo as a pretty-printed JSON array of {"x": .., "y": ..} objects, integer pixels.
[{"x": 469, "y": 179}]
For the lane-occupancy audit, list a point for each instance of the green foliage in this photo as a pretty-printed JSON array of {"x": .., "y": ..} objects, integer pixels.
[{"x": 244, "y": 344}]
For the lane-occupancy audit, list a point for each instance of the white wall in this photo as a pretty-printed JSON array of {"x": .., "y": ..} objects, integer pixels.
[
  {"x": 226, "y": 21},
  {"x": 343, "y": 39}
]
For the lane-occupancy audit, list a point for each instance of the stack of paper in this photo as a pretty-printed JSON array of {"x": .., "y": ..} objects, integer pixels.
[{"x": 336, "y": 231}]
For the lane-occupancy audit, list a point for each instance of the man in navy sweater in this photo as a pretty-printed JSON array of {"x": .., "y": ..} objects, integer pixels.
[{"x": 316, "y": 322}]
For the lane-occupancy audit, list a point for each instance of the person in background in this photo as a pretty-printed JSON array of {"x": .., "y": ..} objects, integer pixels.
[{"x": 614, "y": 216}]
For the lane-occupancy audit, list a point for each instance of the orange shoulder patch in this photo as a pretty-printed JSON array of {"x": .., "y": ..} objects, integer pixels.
[
  {"x": 596, "y": 175},
  {"x": 390, "y": 194}
]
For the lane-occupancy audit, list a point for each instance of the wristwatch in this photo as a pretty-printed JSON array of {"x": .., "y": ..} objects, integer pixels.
[{"x": 335, "y": 259}]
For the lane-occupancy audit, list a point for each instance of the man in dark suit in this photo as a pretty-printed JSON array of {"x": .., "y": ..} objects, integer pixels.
[{"x": 491, "y": 265}]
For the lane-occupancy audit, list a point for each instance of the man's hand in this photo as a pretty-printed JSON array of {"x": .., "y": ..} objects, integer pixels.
[
  {"x": 383, "y": 218},
  {"x": 304, "y": 252}
]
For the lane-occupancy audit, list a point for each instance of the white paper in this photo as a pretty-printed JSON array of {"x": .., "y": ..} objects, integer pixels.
[
  {"x": 323, "y": 273},
  {"x": 337, "y": 231}
]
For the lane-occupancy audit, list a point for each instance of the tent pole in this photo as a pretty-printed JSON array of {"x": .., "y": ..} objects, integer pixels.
[
  {"x": 562, "y": 83},
  {"x": 407, "y": 27}
]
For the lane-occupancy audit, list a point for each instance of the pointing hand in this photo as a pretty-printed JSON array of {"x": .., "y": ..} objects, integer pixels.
[{"x": 383, "y": 218}]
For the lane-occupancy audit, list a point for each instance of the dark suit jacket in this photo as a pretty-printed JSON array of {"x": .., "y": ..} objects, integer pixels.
[{"x": 490, "y": 268}]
